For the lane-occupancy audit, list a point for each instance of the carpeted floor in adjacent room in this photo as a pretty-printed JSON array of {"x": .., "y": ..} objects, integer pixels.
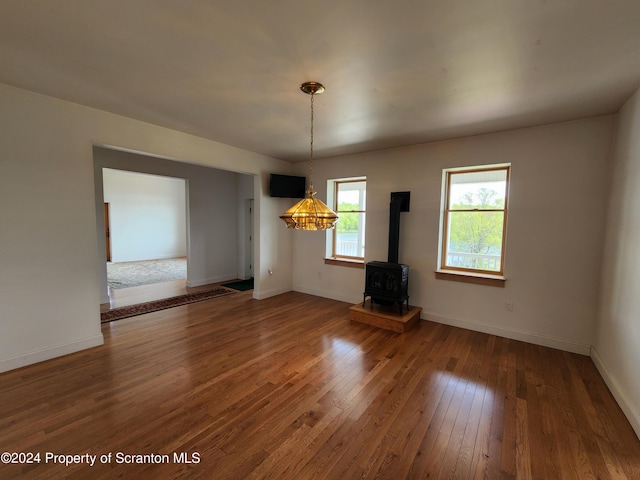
[{"x": 145, "y": 272}]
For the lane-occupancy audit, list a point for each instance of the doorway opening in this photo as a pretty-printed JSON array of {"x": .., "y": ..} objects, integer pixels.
[
  {"x": 145, "y": 228},
  {"x": 218, "y": 225},
  {"x": 107, "y": 232}
]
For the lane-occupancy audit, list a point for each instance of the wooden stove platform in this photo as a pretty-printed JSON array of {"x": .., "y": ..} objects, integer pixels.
[{"x": 385, "y": 317}]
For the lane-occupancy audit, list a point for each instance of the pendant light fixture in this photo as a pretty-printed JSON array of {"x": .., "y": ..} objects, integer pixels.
[{"x": 310, "y": 213}]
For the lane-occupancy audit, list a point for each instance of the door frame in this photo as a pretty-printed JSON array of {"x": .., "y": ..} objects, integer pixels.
[{"x": 107, "y": 231}]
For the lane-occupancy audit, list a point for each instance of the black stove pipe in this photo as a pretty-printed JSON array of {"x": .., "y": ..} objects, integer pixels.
[{"x": 399, "y": 203}]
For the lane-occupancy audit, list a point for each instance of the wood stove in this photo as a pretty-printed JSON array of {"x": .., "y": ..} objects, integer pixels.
[{"x": 387, "y": 283}]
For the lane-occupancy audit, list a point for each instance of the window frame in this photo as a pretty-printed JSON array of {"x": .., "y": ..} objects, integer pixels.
[
  {"x": 332, "y": 255},
  {"x": 445, "y": 220}
]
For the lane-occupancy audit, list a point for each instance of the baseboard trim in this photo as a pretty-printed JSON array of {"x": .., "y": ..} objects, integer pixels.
[
  {"x": 331, "y": 295},
  {"x": 617, "y": 391},
  {"x": 49, "y": 353},
  {"x": 536, "y": 339},
  {"x": 528, "y": 337},
  {"x": 161, "y": 257},
  {"x": 262, "y": 294},
  {"x": 105, "y": 298}
]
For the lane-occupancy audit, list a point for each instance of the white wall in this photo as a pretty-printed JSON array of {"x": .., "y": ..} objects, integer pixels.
[
  {"x": 554, "y": 234},
  {"x": 617, "y": 343},
  {"x": 50, "y": 283},
  {"x": 147, "y": 213}
]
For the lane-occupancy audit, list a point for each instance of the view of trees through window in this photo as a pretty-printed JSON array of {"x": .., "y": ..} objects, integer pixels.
[
  {"x": 475, "y": 219},
  {"x": 350, "y": 228}
]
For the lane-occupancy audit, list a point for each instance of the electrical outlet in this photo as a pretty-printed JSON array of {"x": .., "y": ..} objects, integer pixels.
[{"x": 508, "y": 306}]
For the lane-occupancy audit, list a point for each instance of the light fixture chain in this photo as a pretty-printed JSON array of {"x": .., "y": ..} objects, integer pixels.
[
  {"x": 310, "y": 213},
  {"x": 311, "y": 153}
]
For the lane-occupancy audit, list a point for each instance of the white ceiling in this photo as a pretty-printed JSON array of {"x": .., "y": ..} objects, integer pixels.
[{"x": 396, "y": 72}]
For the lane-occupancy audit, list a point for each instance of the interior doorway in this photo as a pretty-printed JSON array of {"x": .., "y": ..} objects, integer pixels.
[
  {"x": 145, "y": 228},
  {"x": 249, "y": 239},
  {"x": 107, "y": 232},
  {"x": 214, "y": 197}
]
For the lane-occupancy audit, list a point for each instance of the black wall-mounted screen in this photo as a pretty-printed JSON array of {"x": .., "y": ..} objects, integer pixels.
[{"x": 287, "y": 186}]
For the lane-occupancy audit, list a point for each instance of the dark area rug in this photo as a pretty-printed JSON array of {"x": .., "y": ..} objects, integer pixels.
[
  {"x": 242, "y": 285},
  {"x": 148, "y": 307}
]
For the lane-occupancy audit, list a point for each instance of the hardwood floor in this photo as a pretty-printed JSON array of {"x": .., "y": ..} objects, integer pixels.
[{"x": 286, "y": 388}]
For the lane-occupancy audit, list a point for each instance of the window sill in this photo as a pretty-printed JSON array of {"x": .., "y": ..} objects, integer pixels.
[
  {"x": 467, "y": 277},
  {"x": 343, "y": 262}
]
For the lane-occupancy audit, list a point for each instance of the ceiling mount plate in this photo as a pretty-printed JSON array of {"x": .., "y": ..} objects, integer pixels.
[{"x": 312, "y": 88}]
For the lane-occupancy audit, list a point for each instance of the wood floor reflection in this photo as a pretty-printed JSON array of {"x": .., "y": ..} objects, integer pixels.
[{"x": 286, "y": 388}]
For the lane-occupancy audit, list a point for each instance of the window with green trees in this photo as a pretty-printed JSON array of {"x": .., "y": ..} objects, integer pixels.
[
  {"x": 350, "y": 205},
  {"x": 475, "y": 219}
]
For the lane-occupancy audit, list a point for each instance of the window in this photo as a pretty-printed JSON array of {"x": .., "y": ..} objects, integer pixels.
[
  {"x": 346, "y": 241},
  {"x": 474, "y": 219}
]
